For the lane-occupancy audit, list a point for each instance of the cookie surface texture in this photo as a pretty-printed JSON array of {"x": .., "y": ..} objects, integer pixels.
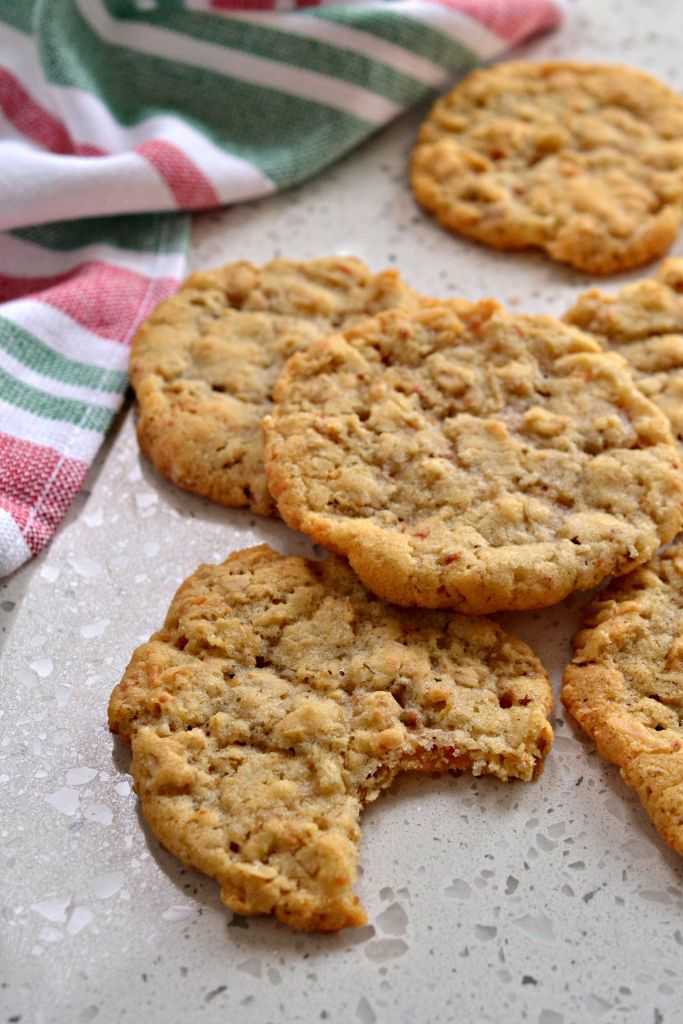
[
  {"x": 644, "y": 323},
  {"x": 280, "y": 697},
  {"x": 204, "y": 363},
  {"x": 625, "y": 685},
  {"x": 462, "y": 456},
  {"x": 583, "y": 161}
]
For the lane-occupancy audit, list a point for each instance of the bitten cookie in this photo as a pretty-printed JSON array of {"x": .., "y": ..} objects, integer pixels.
[
  {"x": 644, "y": 323},
  {"x": 204, "y": 363},
  {"x": 463, "y": 456},
  {"x": 280, "y": 697},
  {"x": 581, "y": 160},
  {"x": 625, "y": 685}
]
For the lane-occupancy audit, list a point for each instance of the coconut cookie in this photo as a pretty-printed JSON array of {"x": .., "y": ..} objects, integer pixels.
[
  {"x": 644, "y": 322},
  {"x": 625, "y": 685},
  {"x": 462, "y": 456},
  {"x": 581, "y": 160},
  {"x": 280, "y": 697},
  {"x": 204, "y": 363}
]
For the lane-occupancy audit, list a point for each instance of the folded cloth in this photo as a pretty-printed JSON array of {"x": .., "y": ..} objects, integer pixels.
[{"x": 117, "y": 114}]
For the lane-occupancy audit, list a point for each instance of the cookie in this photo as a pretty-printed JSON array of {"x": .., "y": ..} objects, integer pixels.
[
  {"x": 581, "y": 160},
  {"x": 204, "y": 363},
  {"x": 463, "y": 456},
  {"x": 644, "y": 323},
  {"x": 280, "y": 697},
  {"x": 625, "y": 685}
]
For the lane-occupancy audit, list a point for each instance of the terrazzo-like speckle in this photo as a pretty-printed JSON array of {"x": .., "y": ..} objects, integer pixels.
[{"x": 552, "y": 903}]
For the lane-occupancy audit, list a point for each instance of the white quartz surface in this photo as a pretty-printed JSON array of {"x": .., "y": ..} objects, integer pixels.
[{"x": 549, "y": 903}]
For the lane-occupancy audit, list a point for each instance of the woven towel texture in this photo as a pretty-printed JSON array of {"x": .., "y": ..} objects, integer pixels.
[{"x": 116, "y": 116}]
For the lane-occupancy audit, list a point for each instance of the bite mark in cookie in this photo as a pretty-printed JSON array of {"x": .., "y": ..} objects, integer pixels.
[
  {"x": 280, "y": 697},
  {"x": 581, "y": 160}
]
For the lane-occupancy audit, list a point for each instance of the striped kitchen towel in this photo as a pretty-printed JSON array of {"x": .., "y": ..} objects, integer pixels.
[{"x": 117, "y": 114}]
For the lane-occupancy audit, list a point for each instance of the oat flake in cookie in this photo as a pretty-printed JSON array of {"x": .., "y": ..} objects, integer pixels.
[
  {"x": 581, "y": 160},
  {"x": 625, "y": 685},
  {"x": 204, "y": 363},
  {"x": 644, "y": 323},
  {"x": 463, "y": 456},
  {"x": 280, "y": 697}
]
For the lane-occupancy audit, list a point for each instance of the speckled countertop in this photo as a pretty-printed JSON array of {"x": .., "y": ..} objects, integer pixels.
[{"x": 552, "y": 903}]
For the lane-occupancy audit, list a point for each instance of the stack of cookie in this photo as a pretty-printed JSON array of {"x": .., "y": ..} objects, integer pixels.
[
  {"x": 458, "y": 460},
  {"x": 281, "y": 696}
]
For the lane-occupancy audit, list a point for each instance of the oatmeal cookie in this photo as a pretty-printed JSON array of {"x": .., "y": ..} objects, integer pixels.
[
  {"x": 581, "y": 160},
  {"x": 280, "y": 697},
  {"x": 463, "y": 456},
  {"x": 204, "y": 363},
  {"x": 625, "y": 685},
  {"x": 644, "y": 323}
]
